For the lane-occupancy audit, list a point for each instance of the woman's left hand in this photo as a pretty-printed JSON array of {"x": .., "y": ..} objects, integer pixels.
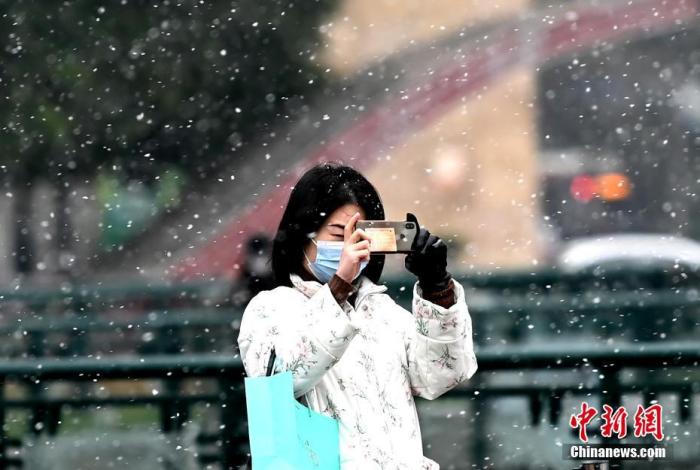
[{"x": 428, "y": 259}]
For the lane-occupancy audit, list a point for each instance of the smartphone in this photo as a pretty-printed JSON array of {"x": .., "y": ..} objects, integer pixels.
[{"x": 389, "y": 236}]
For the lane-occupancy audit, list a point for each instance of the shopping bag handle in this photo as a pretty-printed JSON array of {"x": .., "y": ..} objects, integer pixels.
[
  {"x": 270, "y": 365},
  {"x": 271, "y": 362}
]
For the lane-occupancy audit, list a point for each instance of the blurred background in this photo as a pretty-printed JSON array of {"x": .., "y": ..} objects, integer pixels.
[{"x": 147, "y": 150}]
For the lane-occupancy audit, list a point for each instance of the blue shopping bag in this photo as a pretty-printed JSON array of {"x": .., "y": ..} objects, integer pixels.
[{"x": 283, "y": 433}]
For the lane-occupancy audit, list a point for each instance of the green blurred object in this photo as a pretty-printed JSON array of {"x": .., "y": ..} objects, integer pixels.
[{"x": 130, "y": 209}]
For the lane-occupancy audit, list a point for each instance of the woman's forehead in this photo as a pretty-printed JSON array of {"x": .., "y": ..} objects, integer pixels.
[{"x": 342, "y": 214}]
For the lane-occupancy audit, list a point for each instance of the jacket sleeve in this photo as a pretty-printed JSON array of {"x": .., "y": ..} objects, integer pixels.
[
  {"x": 439, "y": 345},
  {"x": 309, "y": 337}
]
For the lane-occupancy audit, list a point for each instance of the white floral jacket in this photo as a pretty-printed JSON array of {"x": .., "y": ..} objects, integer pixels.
[{"x": 362, "y": 365}]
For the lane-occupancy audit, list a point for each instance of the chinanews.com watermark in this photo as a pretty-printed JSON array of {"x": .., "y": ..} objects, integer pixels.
[
  {"x": 616, "y": 451},
  {"x": 647, "y": 421}
]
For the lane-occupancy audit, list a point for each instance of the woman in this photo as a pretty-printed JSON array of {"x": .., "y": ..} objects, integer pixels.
[{"x": 353, "y": 352}]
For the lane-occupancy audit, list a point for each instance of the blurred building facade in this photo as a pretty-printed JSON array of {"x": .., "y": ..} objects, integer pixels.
[
  {"x": 472, "y": 174},
  {"x": 599, "y": 140}
]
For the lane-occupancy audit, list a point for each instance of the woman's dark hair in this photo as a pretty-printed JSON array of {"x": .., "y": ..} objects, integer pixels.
[{"x": 318, "y": 193}]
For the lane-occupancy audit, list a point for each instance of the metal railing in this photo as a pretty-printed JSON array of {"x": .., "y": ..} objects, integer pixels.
[
  {"x": 650, "y": 302},
  {"x": 174, "y": 405},
  {"x": 503, "y": 306},
  {"x": 227, "y": 373}
]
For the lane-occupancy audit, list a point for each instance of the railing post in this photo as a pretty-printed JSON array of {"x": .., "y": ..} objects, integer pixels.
[
  {"x": 53, "y": 419},
  {"x": 232, "y": 418},
  {"x": 3, "y": 435},
  {"x": 610, "y": 394},
  {"x": 172, "y": 414},
  {"x": 479, "y": 449},
  {"x": 555, "y": 407}
]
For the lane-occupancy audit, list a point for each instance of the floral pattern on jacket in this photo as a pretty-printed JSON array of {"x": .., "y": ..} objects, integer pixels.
[{"x": 362, "y": 365}]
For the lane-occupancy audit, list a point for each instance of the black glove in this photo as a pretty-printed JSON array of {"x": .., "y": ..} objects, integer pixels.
[{"x": 428, "y": 259}]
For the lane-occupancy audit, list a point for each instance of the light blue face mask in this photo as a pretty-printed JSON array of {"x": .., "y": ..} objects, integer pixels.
[{"x": 328, "y": 260}]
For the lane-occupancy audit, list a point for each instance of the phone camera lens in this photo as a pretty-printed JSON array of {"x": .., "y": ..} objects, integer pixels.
[{"x": 409, "y": 225}]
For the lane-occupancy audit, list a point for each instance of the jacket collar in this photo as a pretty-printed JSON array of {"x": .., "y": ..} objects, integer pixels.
[{"x": 363, "y": 285}]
